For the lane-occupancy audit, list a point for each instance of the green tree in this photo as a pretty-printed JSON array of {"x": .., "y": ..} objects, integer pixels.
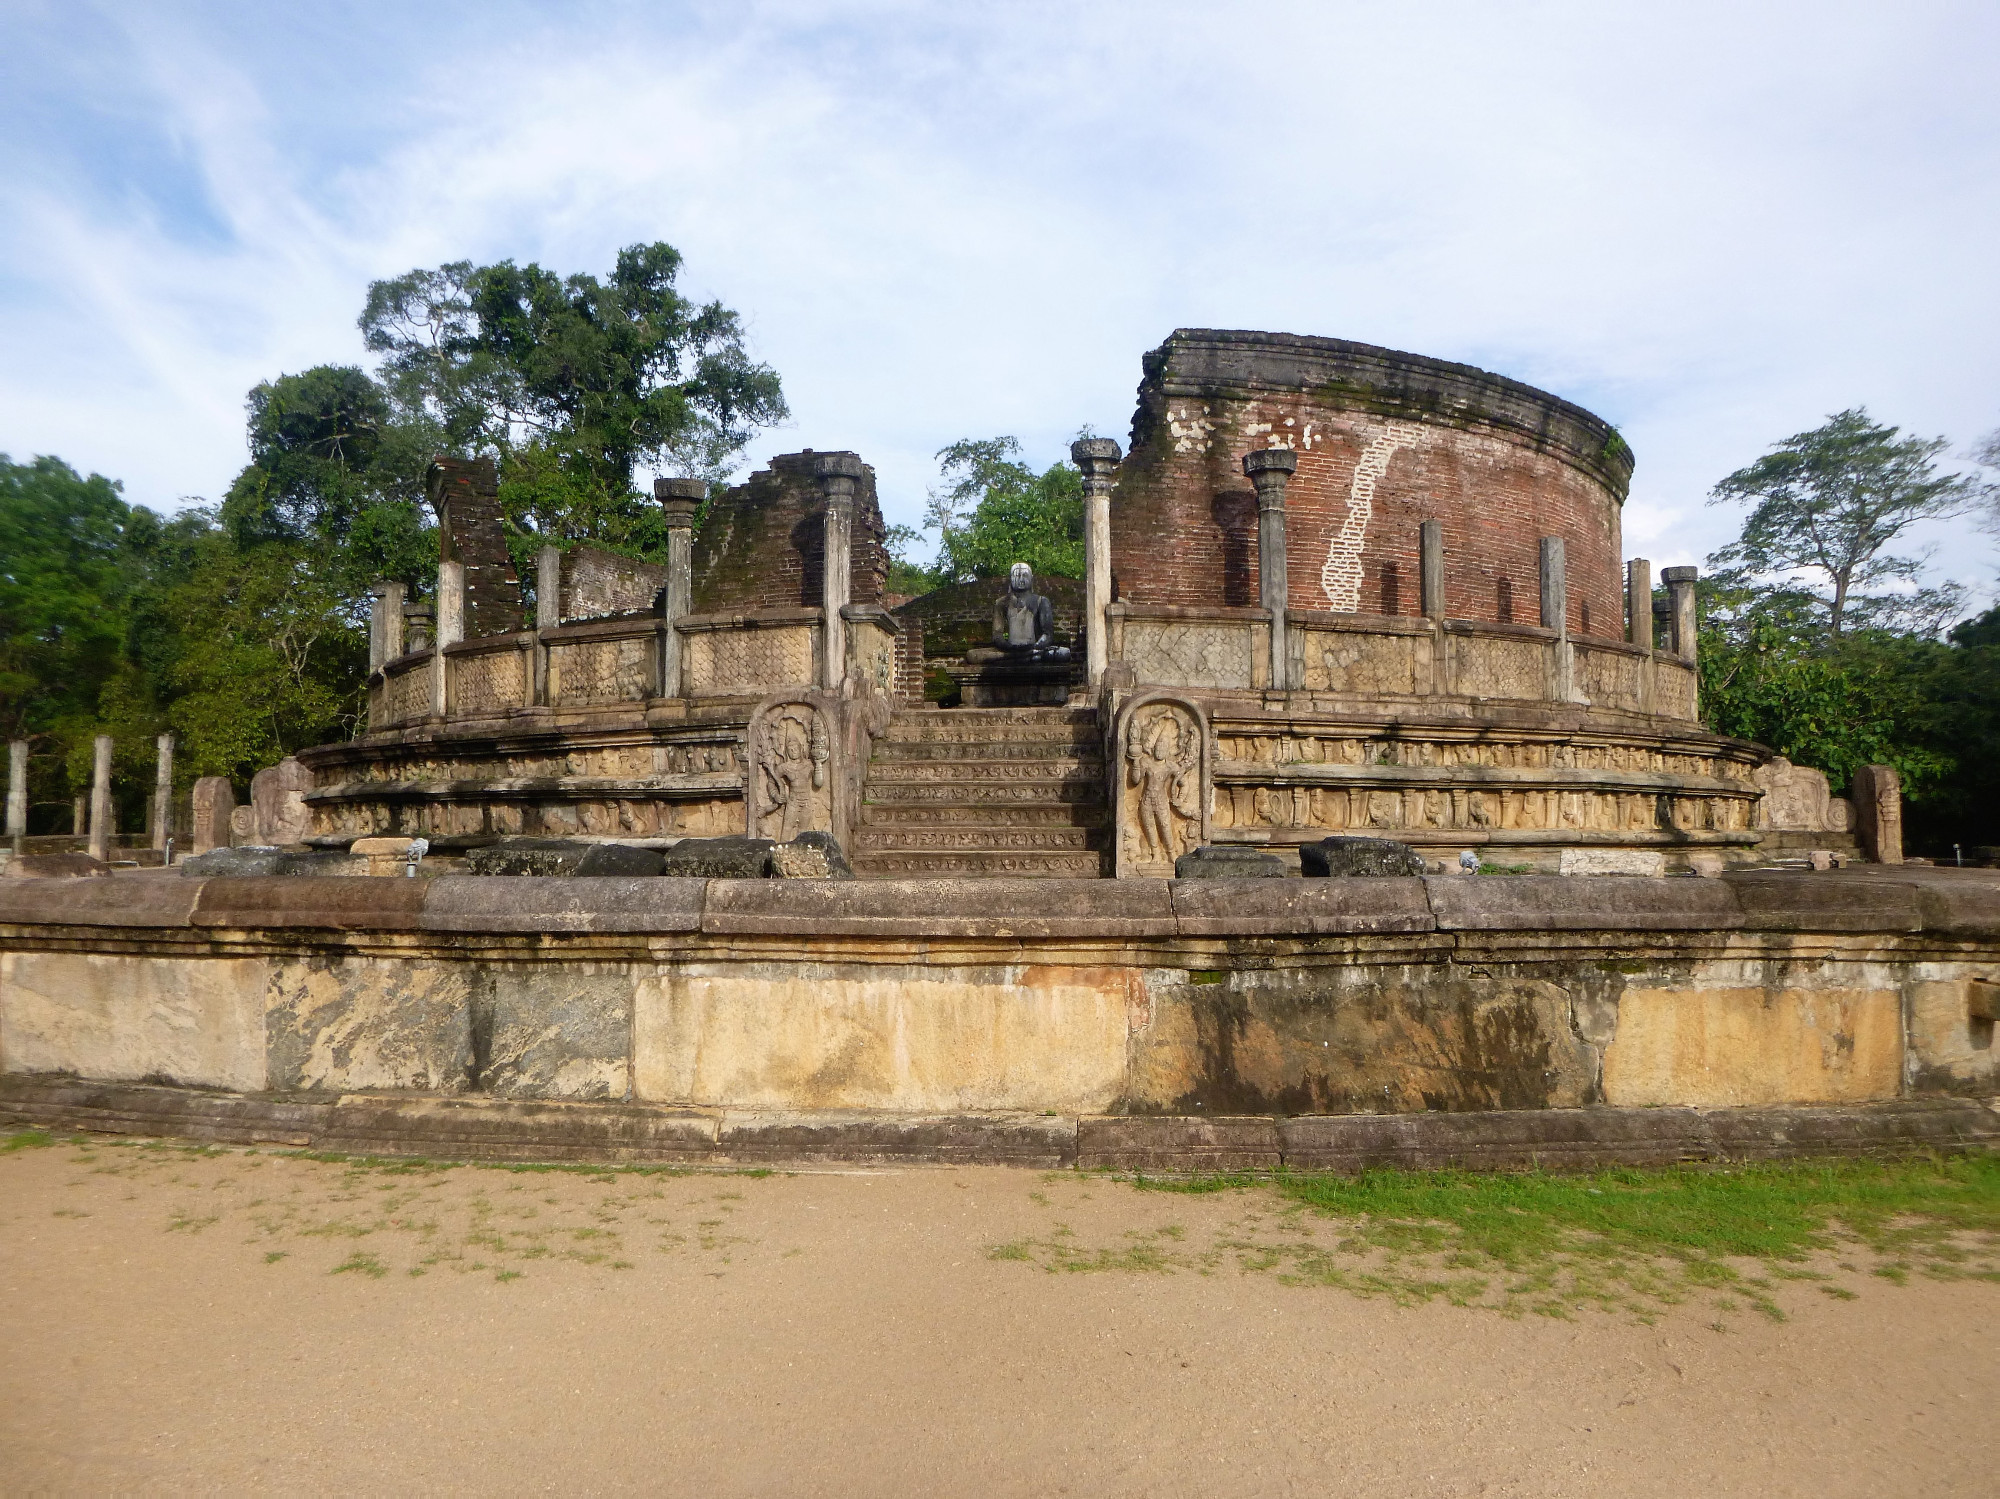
[
  {"x": 992, "y": 510},
  {"x": 1828, "y": 504},
  {"x": 573, "y": 382}
]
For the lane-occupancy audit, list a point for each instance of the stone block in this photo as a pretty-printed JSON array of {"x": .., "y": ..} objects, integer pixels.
[
  {"x": 126, "y": 901},
  {"x": 1721, "y": 1047},
  {"x": 460, "y": 903},
  {"x": 1500, "y": 1139},
  {"x": 1531, "y": 902},
  {"x": 369, "y": 1022},
  {"x": 278, "y": 803},
  {"x": 1262, "y": 908},
  {"x": 1331, "y": 858},
  {"x": 1019, "y": 908},
  {"x": 1168, "y": 1144},
  {"x": 963, "y": 1139},
  {"x": 251, "y": 862},
  {"x": 385, "y": 858},
  {"x": 1627, "y": 861},
  {"x": 619, "y": 861},
  {"x": 72, "y": 866},
  {"x": 310, "y": 904},
  {"x": 1839, "y": 901},
  {"x": 553, "y": 1030},
  {"x": 810, "y": 856},
  {"x": 732, "y": 858},
  {"x": 528, "y": 856},
  {"x": 1228, "y": 862}
]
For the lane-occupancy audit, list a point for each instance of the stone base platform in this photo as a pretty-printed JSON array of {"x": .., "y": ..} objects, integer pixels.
[{"x": 484, "y": 1129}]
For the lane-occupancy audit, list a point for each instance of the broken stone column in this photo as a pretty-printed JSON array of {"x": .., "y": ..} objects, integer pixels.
[
  {"x": 214, "y": 800},
  {"x": 100, "y": 800},
  {"x": 450, "y": 629},
  {"x": 1878, "y": 810},
  {"x": 385, "y": 623},
  {"x": 163, "y": 792},
  {"x": 79, "y": 813},
  {"x": 1270, "y": 470},
  {"x": 838, "y": 475},
  {"x": 419, "y": 617},
  {"x": 17, "y": 796},
  {"x": 1097, "y": 457},
  {"x": 1430, "y": 567},
  {"x": 1555, "y": 586},
  {"x": 1639, "y": 602},
  {"x": 278, "y": 803},
  {"x": 548, "y": 588},
  {"x": 680, "y": 502},
  {"x": 1681, "y": 611}
]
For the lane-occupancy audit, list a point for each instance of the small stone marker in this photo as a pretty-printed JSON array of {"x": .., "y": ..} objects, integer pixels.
[
  {"x": 1338, "y": 858},
  {"x": 1630, "y": 861},
  {"x": 732, "y": 858},
  {"x": 278, "y": 803},
  {"x": 214, "y": 800},
  {"x": 810, "y": 856}
]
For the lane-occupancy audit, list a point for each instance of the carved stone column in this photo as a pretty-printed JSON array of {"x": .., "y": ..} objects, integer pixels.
[
  {"x": 680, "y": 501},
  {"x": 1877, "y": 793},
  {"x": 450, "y": 629},
  {"x": 1098, "y": 458},
  {"x": 1639, "y": 602},
  {"x": 17, "y": 796},
  {"x": 1430, "y": 567},
  {"x": 385, "y": 623},
  {"x": 1555, "y": 615},
  {"x": 100, "y": 800},
  {"x": 838, "y": 474},
  {"x": 1270, "y": 470},
  {"x": 163, "y": 792},
  {"x": 548, "y": 588},
  {"x": 1680, "y": 607}
]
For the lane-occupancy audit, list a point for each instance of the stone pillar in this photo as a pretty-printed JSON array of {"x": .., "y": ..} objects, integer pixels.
[
  {"x": 385, "y": 623},
  {"x": 1639, "y": 602},
  {"x": 214, "y": 799},
  {"x": 1878, "y": 809},
  {"x": 79, "y": 814},
  {"x": 1270, "y": 470},
  {"x": 548, "y": 588},
  {"x": 1430, "y": 565},
  {"x": 839, "y": 474},
  {"x": 1555, "y": 586},
  {"x": 163, "y": 792},
  {"x": 1098, "y": 458},
  {"x": 680, "y": 502},
  {"x": 450, "y": 629},
  {"x": 100, "y": 800},
  {"x": 419, "y": 618},
  {"x": 1680, "y": 606},
  {"x": 17, "y": 796}
]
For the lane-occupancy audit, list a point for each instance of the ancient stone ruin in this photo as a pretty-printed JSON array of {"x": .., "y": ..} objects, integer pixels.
[{"x": 1332, "y": 590}]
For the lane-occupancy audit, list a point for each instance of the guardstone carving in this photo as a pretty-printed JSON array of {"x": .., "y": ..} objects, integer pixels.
[
  {"x": 1163, "y": 777},
  {"x": 791, "y": 781},
  {"x": 1796, "y": 799}
]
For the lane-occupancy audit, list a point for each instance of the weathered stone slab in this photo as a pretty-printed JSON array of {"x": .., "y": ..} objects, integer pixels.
[
  {"x": 553, "y": 1030},
  {"x": 66, "y": 1103},
  {"x": 462, "y": 903},
  {"x": 1528, "y": 902},
  {"x": 620, "y": 861},
  {"x": 148, "y": 900},
  {"x": 1893, "y": 1126},
  {"x": 528, "y": 856},
  {"x": 1833, "y": 901},
  {"x": 1502, "y": 1139},
  {"x": 810, "y": 856},
  {"x": 70, "y": 866},
  {"x": 1153, "y": 1143},
  {"x": 338, "y": 904},
  {"x": 214, "y": 800},
  {"x": 1331, "y": 858},
  {"x": 1025, "y": 908},
  {"x": 1228, "y": 862},
  {"x": 967, "y": 1139},
  {"x": 733, "y": 858},
  {"x": 474, "y": 1128},
  {"x": 332, "y": 1027},
  {"x": 1960, "y": 907},
  {"x": 252, "y": 862},
  {"x": 1614, "y": 861},
  {"x": 1262, "y": 908}
]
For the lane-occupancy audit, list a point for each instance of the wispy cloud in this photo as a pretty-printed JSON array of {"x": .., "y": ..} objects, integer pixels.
[{"x": 1712, "y": 224}]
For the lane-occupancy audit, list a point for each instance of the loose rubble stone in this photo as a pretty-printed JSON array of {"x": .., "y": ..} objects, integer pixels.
[
  {"x": 619, "y": 859},
  {"x": 255, "y": 862},
  {"x": 1612, "y": 861},
  {"x": 1334, "y": 858},
  {"x": 542, "y": 856},
  {"x": 1212, "y": 863},
  {"x": 810, "y": 856},
  {"x": 732, "y": 858}
]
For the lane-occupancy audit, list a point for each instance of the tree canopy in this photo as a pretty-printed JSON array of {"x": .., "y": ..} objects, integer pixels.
[{"x": 992, "y": 510}]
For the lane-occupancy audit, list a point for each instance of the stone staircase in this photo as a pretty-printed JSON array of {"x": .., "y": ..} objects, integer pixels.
[{"x": 984, "y": 791}]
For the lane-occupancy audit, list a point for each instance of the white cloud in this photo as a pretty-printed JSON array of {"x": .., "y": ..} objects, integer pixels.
[{"x": 1712, "y": 224}]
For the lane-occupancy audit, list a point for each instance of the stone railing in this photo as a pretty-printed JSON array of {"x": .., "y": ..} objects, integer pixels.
[
  {"x": 620, "y": 661},
  {"x": 1359, "y": 655}
]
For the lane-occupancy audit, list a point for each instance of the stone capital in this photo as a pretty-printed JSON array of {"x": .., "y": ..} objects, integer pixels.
[
  {"x": 1274, "y": 465},
  {"x": 1096, "y": 457},
  {"x": 1672, "y": 575},
  {"x": 837, "y": 474}
]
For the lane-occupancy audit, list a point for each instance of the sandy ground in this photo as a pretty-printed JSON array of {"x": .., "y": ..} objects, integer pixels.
[{"x": 174, "y": 1321}]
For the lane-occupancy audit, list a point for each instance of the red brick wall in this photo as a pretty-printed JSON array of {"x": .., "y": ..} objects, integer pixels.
[
  {"x": 1500, "y": 465},
  {"x": 759, "y": 546}
]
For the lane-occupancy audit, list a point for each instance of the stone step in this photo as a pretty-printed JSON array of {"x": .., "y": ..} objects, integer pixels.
[
  {"x": 997, "y": 793},
  {"x": 975, "y": 838},
  {"x": 1057, "y": 769},
  {"x": 927, "y": 751},
  {"x": 1074, "y": 866},
  {"x": 991, "y": 725},
  {"x": 975, "y": 813}
]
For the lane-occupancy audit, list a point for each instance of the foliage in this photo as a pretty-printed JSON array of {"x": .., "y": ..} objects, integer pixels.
[
  {"x": 993, "y": 511},
  {"x": 905, "y": 574},
  {"x": 1829, "y": 503},
  {"x": 1961, "y": 692}
]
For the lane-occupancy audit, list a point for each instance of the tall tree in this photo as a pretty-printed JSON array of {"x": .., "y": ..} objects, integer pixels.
[
  {"x": 1829, "y": 503},
  {"x": 992, "y": 510}
]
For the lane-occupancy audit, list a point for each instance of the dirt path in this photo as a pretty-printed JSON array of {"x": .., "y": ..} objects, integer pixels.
[{"x": 171, "y": 1320}]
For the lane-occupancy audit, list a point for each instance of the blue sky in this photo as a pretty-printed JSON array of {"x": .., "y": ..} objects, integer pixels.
[{"x": 1711, "y": 224}]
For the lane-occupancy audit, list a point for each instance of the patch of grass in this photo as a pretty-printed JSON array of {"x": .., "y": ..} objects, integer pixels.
[
  {"x": 364, "y": 1264},
  {"x": 1632, "y": 1239},
  {"x": 26, "y": 1139}
]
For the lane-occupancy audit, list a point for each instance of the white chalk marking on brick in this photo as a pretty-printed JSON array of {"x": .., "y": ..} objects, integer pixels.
[{"x": 1340, "y": 577}]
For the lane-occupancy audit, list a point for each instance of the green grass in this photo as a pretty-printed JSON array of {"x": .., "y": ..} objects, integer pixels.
[
  {"x": 27, "y": 1139},
  {"x": 1625, "y": 1240}
]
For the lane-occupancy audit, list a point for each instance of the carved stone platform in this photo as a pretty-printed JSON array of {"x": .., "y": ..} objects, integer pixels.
[
  {"x": 995, "y": 678},
  {"x": 999, "y": 791}
]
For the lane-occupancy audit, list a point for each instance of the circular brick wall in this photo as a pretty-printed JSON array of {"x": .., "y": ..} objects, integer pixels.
[{"x": 1385, "y": 441}]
